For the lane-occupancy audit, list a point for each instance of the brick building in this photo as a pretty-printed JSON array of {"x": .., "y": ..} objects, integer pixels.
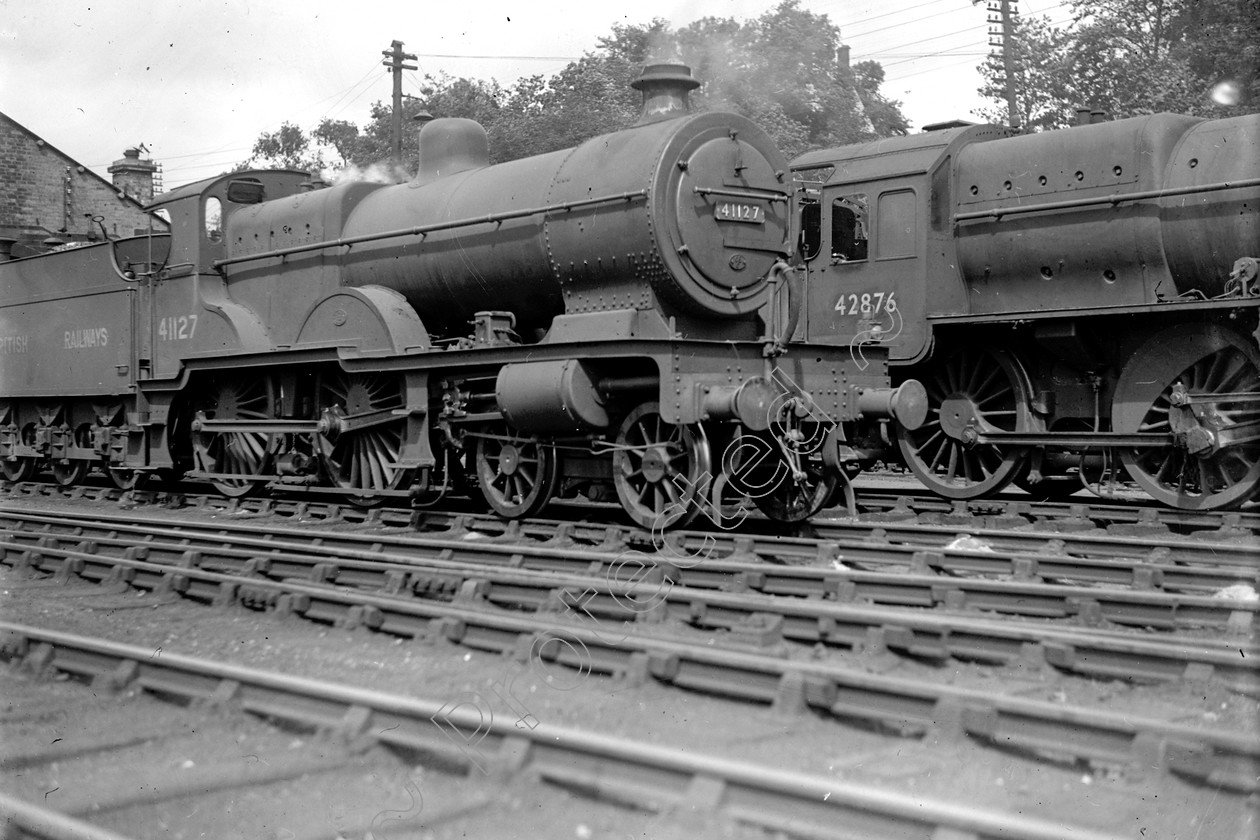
[{"x": 45, "y": 194}]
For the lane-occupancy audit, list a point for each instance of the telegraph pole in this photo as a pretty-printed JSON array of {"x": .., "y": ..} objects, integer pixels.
[
  {"x": 396, "y": 57},
  {"x": 1004, "y": 11},
  {"x": 1008, "y": 59}
]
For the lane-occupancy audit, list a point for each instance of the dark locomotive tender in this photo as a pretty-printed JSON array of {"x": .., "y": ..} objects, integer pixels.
[
  {"x": 1075, "y": 301},
  {"x": 612, "y": 318}
]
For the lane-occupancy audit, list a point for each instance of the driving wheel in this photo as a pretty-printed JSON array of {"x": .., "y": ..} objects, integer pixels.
[
  {"x": 1199, "y": 384},
  {"x": 970, "y": 391}
]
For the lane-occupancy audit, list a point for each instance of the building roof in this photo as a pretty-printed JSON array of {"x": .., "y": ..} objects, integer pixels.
[{"x": 42, "y": 143}]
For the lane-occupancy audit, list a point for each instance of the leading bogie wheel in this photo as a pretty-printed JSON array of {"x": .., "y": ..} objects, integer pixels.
[
  {"x": 970, "y": 391},
  {"x": 782, "y": 469},
  {"x": 661, "y": 470},
  {"x": 803, "y": 491},
  {"x": 517, "y": 475}
]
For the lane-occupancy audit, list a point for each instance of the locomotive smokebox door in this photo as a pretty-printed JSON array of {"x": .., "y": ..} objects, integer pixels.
[{"x": 732, "y": 216}]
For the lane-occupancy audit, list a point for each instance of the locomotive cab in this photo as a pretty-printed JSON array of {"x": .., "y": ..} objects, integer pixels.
[
  {"x": 875, "y": 239},
  {"x": 190, "y": 306},
  {"x": 198, "y": 213},
  {"x": 1076, "y": 302}
]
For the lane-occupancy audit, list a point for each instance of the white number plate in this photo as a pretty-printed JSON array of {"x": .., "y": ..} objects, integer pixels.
[{"x": 738, "y": 211}]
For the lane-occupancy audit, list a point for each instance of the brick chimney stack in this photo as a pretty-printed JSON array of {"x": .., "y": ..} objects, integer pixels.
[{"x": 134, "y": 176}]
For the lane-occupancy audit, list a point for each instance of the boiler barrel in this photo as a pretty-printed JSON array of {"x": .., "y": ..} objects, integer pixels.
[
  {"x": 1085, "y": 214},
  {"x": 1204, "y": 233},
  {"x": 694, "y": 208}
]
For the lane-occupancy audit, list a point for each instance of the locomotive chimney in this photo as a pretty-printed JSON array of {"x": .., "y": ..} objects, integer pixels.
[{"x": 665, "y": 88}]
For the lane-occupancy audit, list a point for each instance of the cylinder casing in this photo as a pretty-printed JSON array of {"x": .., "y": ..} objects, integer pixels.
[{"x": 558, "y": 397}]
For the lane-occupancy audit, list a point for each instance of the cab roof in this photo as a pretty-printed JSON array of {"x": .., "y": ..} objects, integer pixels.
[
  {"x": 197, "y": 188},
  {"x": 892, "y": 156}
]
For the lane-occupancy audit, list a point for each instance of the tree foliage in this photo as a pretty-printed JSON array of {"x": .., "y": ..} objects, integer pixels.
[
  {"x": 1132, "y": 57},
  {"x": 286, "y": 147},
  {"x": 340, "y": 135},
  {"x": 1043, "y": 94},
  {"x": 784, "y": 70},
  {"x": 885, "y": 114}
]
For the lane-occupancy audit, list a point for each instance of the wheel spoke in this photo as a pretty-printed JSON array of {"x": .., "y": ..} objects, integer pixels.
[
  {"x": 988, "y": 388},
  {"x": 517, "y": 475},
  {"x": 670, "y": 491},
  {"x": 944, "y": 450},
  {"x": 364, "y": 461},
  {"x": 235, "y": 453},
  {"x": 651, "y": 460}
]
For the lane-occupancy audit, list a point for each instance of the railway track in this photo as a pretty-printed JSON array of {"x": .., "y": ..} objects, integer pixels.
[
  {"x": 541, "y": 578},
  {"x": 794, "y": 625},
  {"x": 1135, "y": 515},
  {"x": 648, "y": 778},
  {"x": 906, "y": 577},
  {"x": 480, "y": 606},
  {"x": 1200, "y": 564},
  {"x": 899, "y": 511}
]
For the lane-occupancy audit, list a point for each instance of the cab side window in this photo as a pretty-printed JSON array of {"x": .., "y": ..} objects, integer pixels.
[
  {"x": 811, "y": 230},
  {"x": 850, "y": 238},
  {"x": 898, "y": 225},
  {"x": 214, "y": 219}
]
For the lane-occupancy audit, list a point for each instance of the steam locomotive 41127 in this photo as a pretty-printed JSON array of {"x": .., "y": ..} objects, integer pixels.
[
  {"x": 1081, "y": 305},
  {"x": 612, "y": 320}
]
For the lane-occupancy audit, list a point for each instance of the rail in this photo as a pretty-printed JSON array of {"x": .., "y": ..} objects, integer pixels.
[
  {"x": 533, "y": 577},
  {"x": 610, "y": 768}
]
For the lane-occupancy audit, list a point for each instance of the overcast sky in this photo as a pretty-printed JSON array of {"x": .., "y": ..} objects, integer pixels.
[{"x": 196, "y": 81}]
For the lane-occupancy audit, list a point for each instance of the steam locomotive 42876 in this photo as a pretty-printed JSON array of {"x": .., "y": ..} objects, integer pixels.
[
  {"x": 612, "y": 319},
  {"x": 1081, "y": 305}
]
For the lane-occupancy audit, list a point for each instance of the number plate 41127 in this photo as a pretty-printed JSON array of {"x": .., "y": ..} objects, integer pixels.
[{"x": 735, "y": 211}]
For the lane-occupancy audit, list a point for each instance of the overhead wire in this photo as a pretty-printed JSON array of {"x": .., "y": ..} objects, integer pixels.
[
  {"x": 502, "y": 57},
  {"x": 228, "y": 148},
  {"x": 899, "y": 25},
  {"x": 945, "y": 52},
  {"x": 333, "y": 109},
  {"x": 845, "y": 28}
]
